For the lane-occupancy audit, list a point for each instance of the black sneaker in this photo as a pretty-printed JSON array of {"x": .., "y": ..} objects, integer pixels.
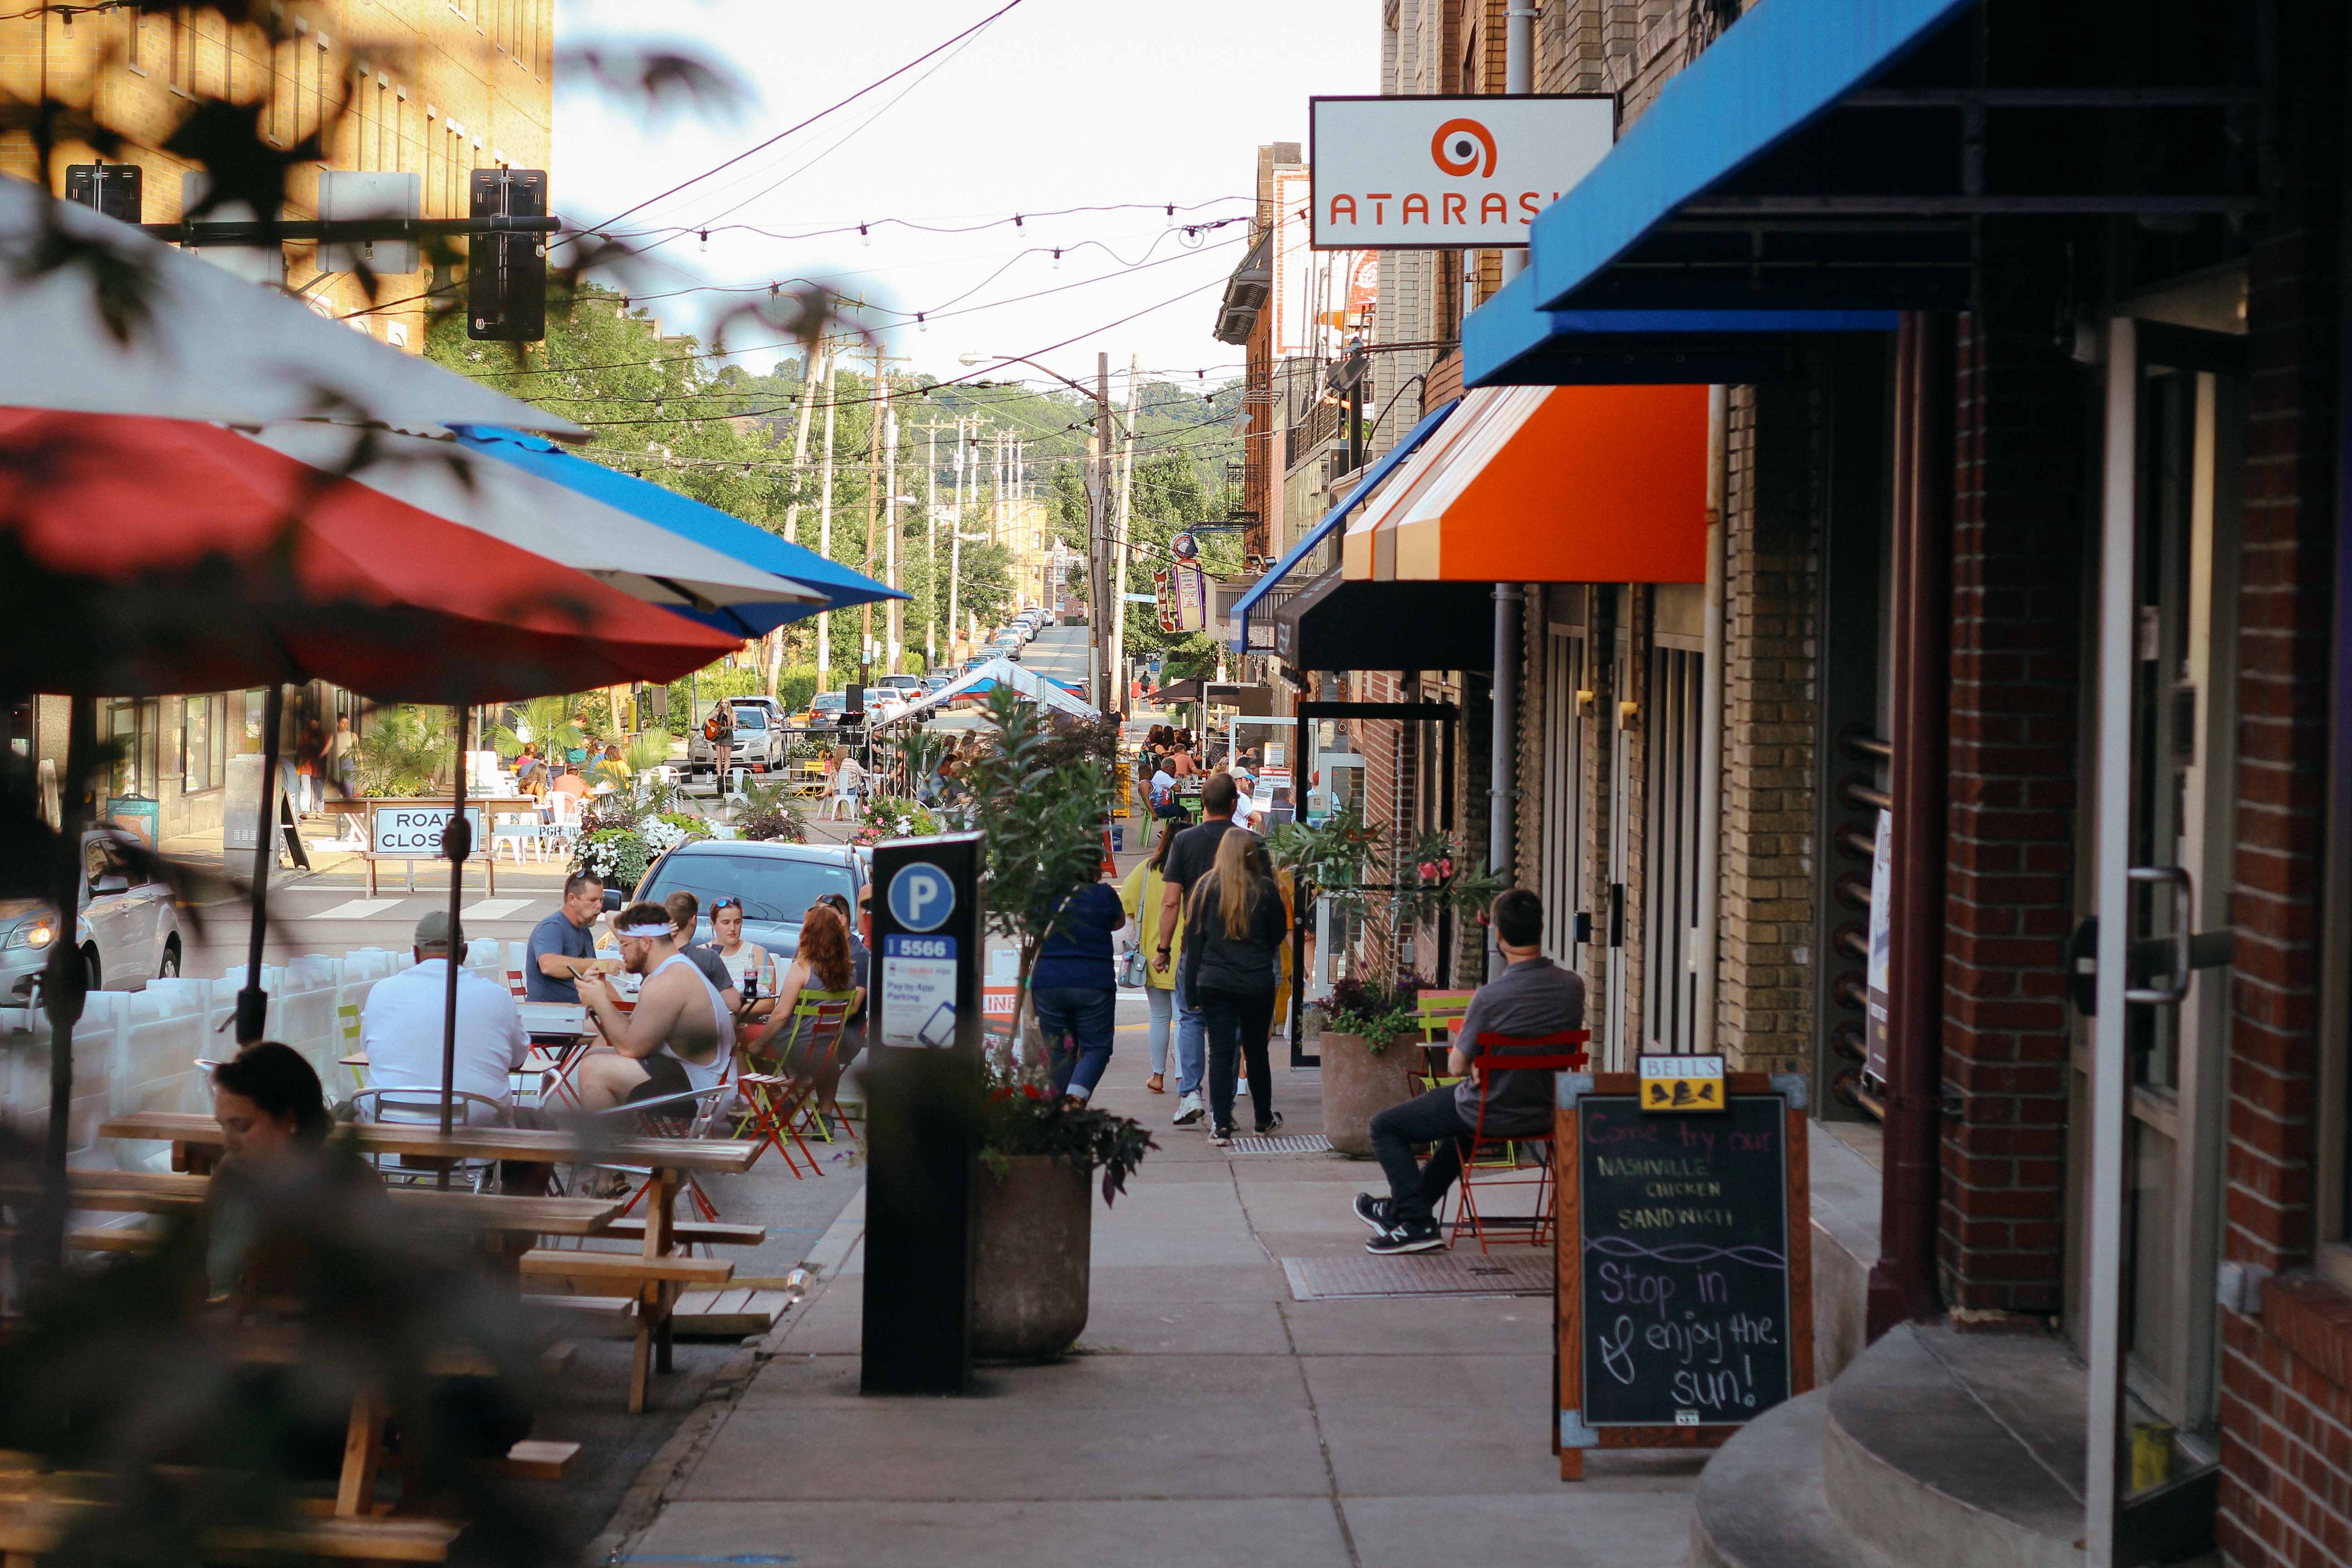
[
  {"x": 1407, "y": 1238},
  {"x": 1269, "y": 1124},
  {"x": 1221, "y": 1136},
  {"x": 1378, "y": 1212}
]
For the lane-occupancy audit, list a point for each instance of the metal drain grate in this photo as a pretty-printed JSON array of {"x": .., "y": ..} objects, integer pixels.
[
  {"x": 1283, "y": 1144},
  {"x": 1469, "y": 1273}
]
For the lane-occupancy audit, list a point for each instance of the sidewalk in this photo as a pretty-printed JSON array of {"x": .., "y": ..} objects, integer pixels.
[{"x": 1207, "y": 1418}]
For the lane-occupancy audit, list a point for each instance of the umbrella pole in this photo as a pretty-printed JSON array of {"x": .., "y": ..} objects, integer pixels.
[
  {"x": 253, "y": 1002},
  {"x": 64, "y": 989},
  {"x": 456, "y": 842}
]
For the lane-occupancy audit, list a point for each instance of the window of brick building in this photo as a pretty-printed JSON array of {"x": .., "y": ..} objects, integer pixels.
[{"x": 1670, "y": 890}]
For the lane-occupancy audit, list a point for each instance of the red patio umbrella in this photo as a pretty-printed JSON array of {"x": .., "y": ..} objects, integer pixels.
[
  {"x": 161, "y": 555},
  {"x": 141, "y": 556}
]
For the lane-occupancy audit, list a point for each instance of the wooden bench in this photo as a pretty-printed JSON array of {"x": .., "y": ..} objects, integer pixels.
[
  {"x": 710, "y": 1232},
  {"x": 536, "y": 1461},
  {"x": 35, "y": 1529},
  {"x": 625, "y": 1270}
]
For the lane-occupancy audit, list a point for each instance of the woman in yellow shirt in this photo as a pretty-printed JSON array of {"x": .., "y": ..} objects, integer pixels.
[{"x": 1140, "y": 894}]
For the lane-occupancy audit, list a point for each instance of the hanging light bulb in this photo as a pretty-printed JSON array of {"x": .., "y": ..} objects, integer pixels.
[
  {"x": 862, "y": 238},
  {"x": 919, "y": 325},
  {"x": 657, "y": 406},
  {"x": 1058, "y": 258},
  {"x": 1172, "y": 215},
  {"x": 746, "y": 470},
  {"x": 706, "y": 239}
]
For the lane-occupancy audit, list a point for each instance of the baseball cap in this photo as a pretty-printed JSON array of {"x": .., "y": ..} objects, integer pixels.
[{"x": 432, "y": 931}]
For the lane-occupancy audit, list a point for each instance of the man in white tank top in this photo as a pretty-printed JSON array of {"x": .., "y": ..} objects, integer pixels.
[{"x": 679, "y": 1037}]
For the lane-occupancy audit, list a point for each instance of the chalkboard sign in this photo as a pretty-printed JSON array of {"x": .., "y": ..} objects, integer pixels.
[{"x": 1684, "y": 1281}]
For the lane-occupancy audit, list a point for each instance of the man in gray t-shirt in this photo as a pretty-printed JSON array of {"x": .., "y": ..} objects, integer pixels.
[{"x": 1531, "y": 998}]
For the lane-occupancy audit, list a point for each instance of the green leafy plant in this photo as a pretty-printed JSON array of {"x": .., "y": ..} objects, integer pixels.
[
  {"x": 1041, "y": 808},
  {"x": 552, "y": 723},
  {"x": 1436, "y": 876},
  {"x": 1378, "y": 1013},
  {"x": 650, "y": 750},
  {"x": 1022, "y": 1115},
  {"x": 888, "y": 819},
  {"x": 1332, "y": 855},
  {"x": 405, "y": 750},
  {"x": 769, "y": 815}
]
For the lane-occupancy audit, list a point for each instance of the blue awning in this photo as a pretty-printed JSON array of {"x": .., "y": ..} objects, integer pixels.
[
  {"x": 1332, "y": 520},
  {"x": 1506, "y": 341},
  {"x": 684, "y": 516},
  {"x": 1771, "y": 76},
  {"x": 1840, "y": 154}
]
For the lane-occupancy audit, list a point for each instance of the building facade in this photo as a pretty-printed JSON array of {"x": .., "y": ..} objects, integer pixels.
[{"x": 435, "y": 91}]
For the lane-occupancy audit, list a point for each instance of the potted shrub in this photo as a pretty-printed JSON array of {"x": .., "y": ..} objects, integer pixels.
[
  {"x": 1032, "y": 1214},
  {"x": 1041, "y": 795},
  {"x": 1368, "y": 1042}
]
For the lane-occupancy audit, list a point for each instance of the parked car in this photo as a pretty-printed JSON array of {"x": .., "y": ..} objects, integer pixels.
[
  {"x": 777, "y": 883},
  {"x": 827, "y": 707},
  {"x": 759, "y": 741},
  {"x": 128, "y": 931}
]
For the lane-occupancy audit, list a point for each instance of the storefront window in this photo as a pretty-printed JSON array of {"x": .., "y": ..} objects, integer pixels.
[
  {"x": 249, "y": 743},
  {"x": 203, "y": 742},
  {"x": 131, "y": 724}
]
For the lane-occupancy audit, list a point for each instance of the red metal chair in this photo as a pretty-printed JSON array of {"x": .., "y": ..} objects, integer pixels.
[{"x": 1501, "y": 1157}]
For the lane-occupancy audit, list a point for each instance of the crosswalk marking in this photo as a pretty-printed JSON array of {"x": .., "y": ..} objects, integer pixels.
[
  {"x": 357, "y": 909},
  {"x": 492, "y": 908}
]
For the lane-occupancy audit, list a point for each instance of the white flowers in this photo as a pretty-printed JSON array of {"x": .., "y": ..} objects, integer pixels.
[{"x": 662, "y": 836}]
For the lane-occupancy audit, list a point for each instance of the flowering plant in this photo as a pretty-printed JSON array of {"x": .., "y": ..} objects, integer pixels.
[
  {"x": 888, "y": 819},
  {"x": 620, "y": 843},
  {"x": 1021, "y": 1114},
  {"x": 1436, "y": 876},
  {"x": 1377, "y": 1011}
]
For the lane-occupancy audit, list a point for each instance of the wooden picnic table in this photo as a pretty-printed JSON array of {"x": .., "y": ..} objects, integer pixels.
[
  {"x": 192, "y": 1133},
  {"x": 511, "y": 1214},
  {"x": 193, "y": 1137}
]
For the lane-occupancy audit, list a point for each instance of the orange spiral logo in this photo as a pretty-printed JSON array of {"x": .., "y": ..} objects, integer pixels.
[{"x": 1458, "y": 145}]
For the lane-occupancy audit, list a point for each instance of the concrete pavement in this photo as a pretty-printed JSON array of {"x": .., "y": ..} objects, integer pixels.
[{"x": 1206, "y": 1416}]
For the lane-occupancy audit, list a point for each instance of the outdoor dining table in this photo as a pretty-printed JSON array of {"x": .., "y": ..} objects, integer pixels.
[{"x": 195, "y": 1138}]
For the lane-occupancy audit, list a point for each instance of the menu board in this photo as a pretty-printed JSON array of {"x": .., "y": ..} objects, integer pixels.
[{"x": 1684, "y": 1282}]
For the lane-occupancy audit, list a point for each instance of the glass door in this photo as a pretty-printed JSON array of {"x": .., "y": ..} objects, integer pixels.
[
  {"x": 2149, "y": 1064},
  {"x": 1610, "y": 1053},
  {"x": 1562, "y": 884}
]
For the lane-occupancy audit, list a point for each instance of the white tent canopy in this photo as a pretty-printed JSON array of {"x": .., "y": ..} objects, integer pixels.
[
  {"x": 1029, "y": 684},
  {"x": 216, "y": 347}
]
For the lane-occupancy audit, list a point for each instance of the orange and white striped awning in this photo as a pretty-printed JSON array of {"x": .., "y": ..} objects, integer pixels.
[{"x": 1534, "y": 484}]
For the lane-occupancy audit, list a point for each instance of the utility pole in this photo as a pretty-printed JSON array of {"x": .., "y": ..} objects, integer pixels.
[
  {"x": 824, "y": 529},
  {"x": 898, "y": 611},
  {"x": 931, "y": 544},
  {"x": 955, "y": 538},
  {"x": 1119, "y": 530},
  {"x": 881, "y": 431},
  {"x": 810, "y": 372},
  {"x": 1098, "y": 536}
]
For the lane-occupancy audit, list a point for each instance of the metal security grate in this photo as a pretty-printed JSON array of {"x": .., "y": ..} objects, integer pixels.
[
  {"x": 1421, "y": 1274},
  {"x": 1284, "y": 1143}
]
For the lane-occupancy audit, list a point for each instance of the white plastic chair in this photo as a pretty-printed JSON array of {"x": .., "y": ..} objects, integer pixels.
[{"x": 514, "y": 830}]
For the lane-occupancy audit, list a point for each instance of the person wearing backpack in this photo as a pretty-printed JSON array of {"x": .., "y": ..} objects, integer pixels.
[{"x": 1140, "y": 894}]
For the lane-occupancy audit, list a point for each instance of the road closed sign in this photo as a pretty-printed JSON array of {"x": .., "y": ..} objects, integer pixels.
[
  {"x": 414, "y": 832},
  {"x": 1430, "y": 173}
]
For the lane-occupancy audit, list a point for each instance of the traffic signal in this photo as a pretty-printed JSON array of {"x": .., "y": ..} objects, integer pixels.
[
  {"x": 114, "y": 189},
  {"x": 506, "y": 279}
]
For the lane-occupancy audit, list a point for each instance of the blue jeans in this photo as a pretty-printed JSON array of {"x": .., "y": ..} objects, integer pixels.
[
  {"x": 1162, "y": 1001},
  {"x": 1085, "y": 1015},
  {"x": 1191, "y": 1041}
]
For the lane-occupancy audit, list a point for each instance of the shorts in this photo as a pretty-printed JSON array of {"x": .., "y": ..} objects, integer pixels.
[{"x": 665, "y": 1074}]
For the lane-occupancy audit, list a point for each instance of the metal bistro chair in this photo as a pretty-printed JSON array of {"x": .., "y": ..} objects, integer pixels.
[
  {"x": 422, "y": 1108},
  {"x": 690, "y": 1113},
  {"x": 1540, "y": 1054},
  {"x": 780, "y": 1089},
  {"x": 1442, "y": 1013}
]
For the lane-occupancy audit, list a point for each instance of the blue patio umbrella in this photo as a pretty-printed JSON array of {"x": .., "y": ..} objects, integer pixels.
[{"x": 686, "y": 517}]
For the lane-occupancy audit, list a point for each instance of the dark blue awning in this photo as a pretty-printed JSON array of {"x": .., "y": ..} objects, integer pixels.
[
  {"x": 1839, "y": 154},
  {"x": 1332, "y": 520},
  {"x": 1506, "y": 341}
]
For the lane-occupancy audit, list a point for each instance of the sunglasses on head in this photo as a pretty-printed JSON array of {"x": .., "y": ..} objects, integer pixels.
[{"x": 716, "y": 905}]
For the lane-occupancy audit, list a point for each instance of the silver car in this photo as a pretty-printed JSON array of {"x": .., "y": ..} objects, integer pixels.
[{"x": 128, "y": 931}]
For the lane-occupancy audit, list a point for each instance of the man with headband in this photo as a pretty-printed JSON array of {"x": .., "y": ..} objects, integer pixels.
[{"x": 679, "y": 1037}]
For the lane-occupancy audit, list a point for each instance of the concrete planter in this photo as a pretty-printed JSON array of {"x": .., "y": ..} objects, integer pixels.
[
  {"x": 1358, "y": 1083},
  {"x": 1032, "y": 1256}
]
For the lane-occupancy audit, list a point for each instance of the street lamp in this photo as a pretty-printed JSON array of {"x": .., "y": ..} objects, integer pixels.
[{"x": 1102, "y": 619}]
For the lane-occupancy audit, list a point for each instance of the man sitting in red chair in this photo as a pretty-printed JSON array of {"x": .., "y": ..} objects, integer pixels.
[{"x": 1531, "y": 998}]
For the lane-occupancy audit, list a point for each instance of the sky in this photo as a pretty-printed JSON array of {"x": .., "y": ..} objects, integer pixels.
[{"x": 1128, "y": 105}]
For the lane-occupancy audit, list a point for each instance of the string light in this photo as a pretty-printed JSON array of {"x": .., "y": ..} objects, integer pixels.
[
  {"x": 706, "y": 239},
  {"x": 919, "y": 325},
  {"x": 865, "y": 238}
]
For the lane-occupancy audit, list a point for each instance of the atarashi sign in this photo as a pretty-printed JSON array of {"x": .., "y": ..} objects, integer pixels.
[{"x": 1421, "y": 174}]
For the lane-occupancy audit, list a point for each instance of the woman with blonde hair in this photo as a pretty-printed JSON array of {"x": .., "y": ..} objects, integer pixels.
[{"x": 1233, "y": 933}]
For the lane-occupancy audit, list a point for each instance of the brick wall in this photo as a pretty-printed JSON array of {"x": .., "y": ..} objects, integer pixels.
[
  {"x": 2019, "y": 514},
  {"x": 1772, "y": 587},
  {"x": 2286, "y": 1419}
]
